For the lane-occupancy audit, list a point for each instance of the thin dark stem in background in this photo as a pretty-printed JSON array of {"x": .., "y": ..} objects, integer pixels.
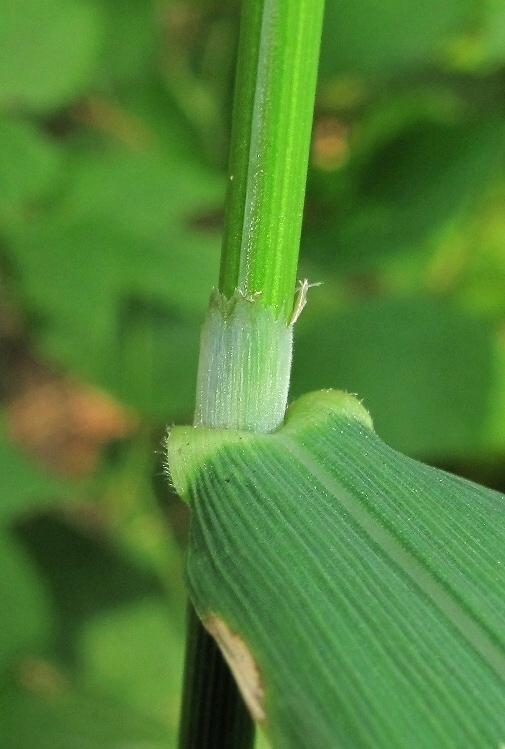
[{"x": 213, "y": 713}]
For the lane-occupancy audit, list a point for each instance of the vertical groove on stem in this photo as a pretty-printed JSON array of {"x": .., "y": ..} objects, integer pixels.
[{"x": 272, "y": 118}]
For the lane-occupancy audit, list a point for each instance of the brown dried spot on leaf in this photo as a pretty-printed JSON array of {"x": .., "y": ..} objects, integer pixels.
[{"x": 241, "y": 662}]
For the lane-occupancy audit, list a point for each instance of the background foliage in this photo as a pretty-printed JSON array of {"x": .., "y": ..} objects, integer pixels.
[{"x": 114, "y": 124}]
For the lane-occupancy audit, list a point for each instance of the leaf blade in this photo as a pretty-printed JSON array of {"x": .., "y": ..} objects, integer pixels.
[{"x": 358, "y": 641}]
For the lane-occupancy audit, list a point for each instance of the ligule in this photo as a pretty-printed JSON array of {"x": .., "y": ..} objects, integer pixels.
[{"x": 244, "y": 368}]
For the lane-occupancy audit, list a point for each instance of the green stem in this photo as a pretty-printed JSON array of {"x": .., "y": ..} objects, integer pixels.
[
  {"x": 245, "y": 354},
  {"x": 272, "y": 118}
]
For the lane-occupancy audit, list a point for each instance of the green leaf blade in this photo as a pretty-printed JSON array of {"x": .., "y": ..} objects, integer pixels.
[
  {"x": 370, "y": 623},
  {"x": 49, "y": 51}
]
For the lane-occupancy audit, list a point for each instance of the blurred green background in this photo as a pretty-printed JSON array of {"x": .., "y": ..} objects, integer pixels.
[{"x": 114, "y": 130}]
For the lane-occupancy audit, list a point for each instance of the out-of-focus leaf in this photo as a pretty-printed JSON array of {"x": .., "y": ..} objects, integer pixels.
[
  {"x": 155, "y": 193},
  {"x": 136, "y": 654},
  {"x": 85, "y": 573},
  {"x": 495, "y": 423},
  {"x": 68, "y": 718},
  {"x": 149, "y": 102},
  {"x": 261, "y": 741},
  {"x": 424, "y": 369},
  {"x": 406, "y": 188},
  {"x": 473, "y": 262},
  {"x": 26, "y": 613},
  {"x": 137, "y": 337},
  {"x": 494, "y": 33},
  {"x": 481, "y": 45},
  {"x": 23, "y": 486},
  {"x": 358, "y": 595},
  {"x": 49, "y": 49},
  {"x": 29, "y": 164},
  {"x": 124, "y": 264},
  {"x": 156, "y": 357},
  {"x": 128, "y": 48},
  {"x": 373, "y": 37}
]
